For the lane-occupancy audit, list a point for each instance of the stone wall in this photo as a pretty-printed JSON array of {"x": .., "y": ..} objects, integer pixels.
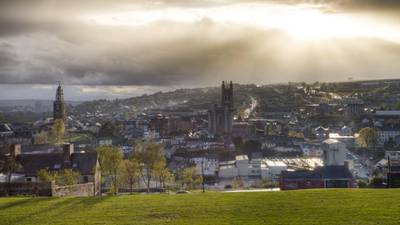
[
  {"x": 45, "y": 189},
  {"x": 86, "y": 189},
  {"x": 26, "y": 188}
]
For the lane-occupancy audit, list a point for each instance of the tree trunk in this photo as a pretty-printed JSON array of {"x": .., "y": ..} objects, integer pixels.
[{"x": 148, "y": 184}]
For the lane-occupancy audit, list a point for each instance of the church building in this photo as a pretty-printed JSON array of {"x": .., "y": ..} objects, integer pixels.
[{"x": 220, "y": 118}]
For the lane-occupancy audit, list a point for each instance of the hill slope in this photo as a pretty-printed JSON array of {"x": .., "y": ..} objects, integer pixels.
[{"x": 344, "y": 207}]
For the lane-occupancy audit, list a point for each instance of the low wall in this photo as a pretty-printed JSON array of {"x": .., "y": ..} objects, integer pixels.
[
  {"x": 86, "y": 189},
  {"x": 45, "y": 189},
  {"x": 26, "y": 188}
]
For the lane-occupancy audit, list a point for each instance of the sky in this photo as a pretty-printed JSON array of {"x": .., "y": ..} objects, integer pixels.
[{"x": 118, "y": 49}]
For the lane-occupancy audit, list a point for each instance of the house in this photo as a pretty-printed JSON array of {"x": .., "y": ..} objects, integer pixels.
[
  {"x": 86, "y": 163},
  {"x": 386, "y": 134}
]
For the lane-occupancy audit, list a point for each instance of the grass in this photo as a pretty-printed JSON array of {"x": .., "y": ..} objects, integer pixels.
[{"x": 319, "y": 207}]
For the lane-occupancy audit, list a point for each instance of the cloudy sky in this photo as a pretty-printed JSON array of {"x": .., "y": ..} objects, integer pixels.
[{"x": 110, "y": 49}]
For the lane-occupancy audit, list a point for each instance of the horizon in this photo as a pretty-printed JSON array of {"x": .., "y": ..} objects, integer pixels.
[{"x": 49, "y": 90}]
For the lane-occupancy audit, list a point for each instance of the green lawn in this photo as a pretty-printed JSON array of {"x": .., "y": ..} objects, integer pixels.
[{"x": 336, "y": 207}]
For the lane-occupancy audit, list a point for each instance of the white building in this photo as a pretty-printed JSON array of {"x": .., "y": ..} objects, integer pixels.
[
  {"x": 273, "y": 169},
  {"x": 242, "y": 163},
  {"x": 207, "y": 165},
  {"x": 334, "y": 152}
]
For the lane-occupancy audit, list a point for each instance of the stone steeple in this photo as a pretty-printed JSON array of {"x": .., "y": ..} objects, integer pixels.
[{"x": 59, "y": 105}]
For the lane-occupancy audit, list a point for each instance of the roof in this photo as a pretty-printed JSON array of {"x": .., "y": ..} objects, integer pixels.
[
  {"x": 387, "y": 113},
  {"x": 325, "y": 172},
  {"x": 330, "y": 141},
  {"x": 82, "y": 162},
  {"x": 242, "y": 157},
  {"x": 5, "y": 128}
]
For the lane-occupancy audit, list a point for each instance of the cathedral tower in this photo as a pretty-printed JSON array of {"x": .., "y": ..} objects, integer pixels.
[{"x": 220, "y": 118}]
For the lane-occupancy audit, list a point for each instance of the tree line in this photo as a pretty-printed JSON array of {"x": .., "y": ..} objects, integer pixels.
[{"x": 146, "y": 165}]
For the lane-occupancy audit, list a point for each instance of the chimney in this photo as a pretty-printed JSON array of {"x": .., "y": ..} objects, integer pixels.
[
  {"x": 15, "y": 150},
  {"x": 68, "y": 149}
]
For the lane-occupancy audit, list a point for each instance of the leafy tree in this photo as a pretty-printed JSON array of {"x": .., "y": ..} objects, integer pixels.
[
  {"x": 132, "y": 172},
  {"x": 47, "y": 176},
  {"x": 368, "y": 137},
  {"x": 8, "y": 166},
  {"x": 57, "y": 132},
  {"x": 162, "y": 173},
  {"x": 62, "y": 178},
  {"x": 250, "y": 146},
  {"x": 42, "y": 138},
  {"x": 109, "y": 129},
  {"x": 237, "y": 183},
  {"x": 189, "y": 178},
  {"x": 68, "y": 177},
  {"x": 149, "y": 154},
  {"x": 111, "y": 164}
]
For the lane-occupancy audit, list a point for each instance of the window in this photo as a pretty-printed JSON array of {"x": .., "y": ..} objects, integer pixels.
[
  {"x": 28, "y": 179},
  {"x": 85, "y": 179},
  {"x": 57, "y": 166}
]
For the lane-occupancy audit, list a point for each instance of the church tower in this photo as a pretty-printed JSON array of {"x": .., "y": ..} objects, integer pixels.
[
  {"x": 227, "y": 94},
  {"x": 220, "y": 117},
  {"x": 59, "y": 105}
]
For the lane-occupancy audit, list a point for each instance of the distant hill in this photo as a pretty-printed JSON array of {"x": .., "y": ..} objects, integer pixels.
[
  {"x": 270, "y": 98},
  {"x": 187, "y": 100}
]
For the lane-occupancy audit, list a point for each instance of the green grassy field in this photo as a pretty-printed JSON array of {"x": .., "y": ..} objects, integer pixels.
[{"x": 338, "y": 207}]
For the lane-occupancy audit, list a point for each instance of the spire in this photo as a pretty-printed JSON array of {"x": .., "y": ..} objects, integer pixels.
[
  {"x": 60, "y": 92},
  {"x": 58, "y": 105}
]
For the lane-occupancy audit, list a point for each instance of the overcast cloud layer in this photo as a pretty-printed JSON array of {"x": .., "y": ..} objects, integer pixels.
[{"x": 158, "y": 45}]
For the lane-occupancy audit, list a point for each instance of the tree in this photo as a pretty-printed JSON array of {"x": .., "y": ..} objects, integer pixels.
[
  {"x": 237, "y": 183},
  {"x": 250, "y": 146},
  {"x": 45, "y": 175},
  {"x": 57, "y": 132},
  {"x": 8, "y": 166},
  {"x": 41, "y": 138},
  {"x": 109, "y": 129},
  {"x": 162, "y": 173},
  {"x": 62, "y": 178},
  {"x": 149, "y": 154},
  {"x": 189, "y": 178},
  {"x": 111, "y": 164},
  {"x": 368, "y": 137},
  {"x": 132, "y": 172},
  {"x": 68, "y": 177}
]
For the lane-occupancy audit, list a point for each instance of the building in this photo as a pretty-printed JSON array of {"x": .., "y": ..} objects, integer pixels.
[
  {"x": 387, "y": 134},
  {"x": 334, "y": 174},
  {"x": 243, "y": 129},
  {"x": 354, "y": 109},
  {"x": 220, "y": 118},
  {"x": 86, "y": 164},
  {"x": 59, "y": 104},
  {"x": 321, "y": 177},
  {"x": 334, "y": 152}
]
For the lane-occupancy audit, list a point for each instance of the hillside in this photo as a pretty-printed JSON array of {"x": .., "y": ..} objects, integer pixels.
[
  {"x": 322, "y": 207},
  {"x": 270, "y": 98}
]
